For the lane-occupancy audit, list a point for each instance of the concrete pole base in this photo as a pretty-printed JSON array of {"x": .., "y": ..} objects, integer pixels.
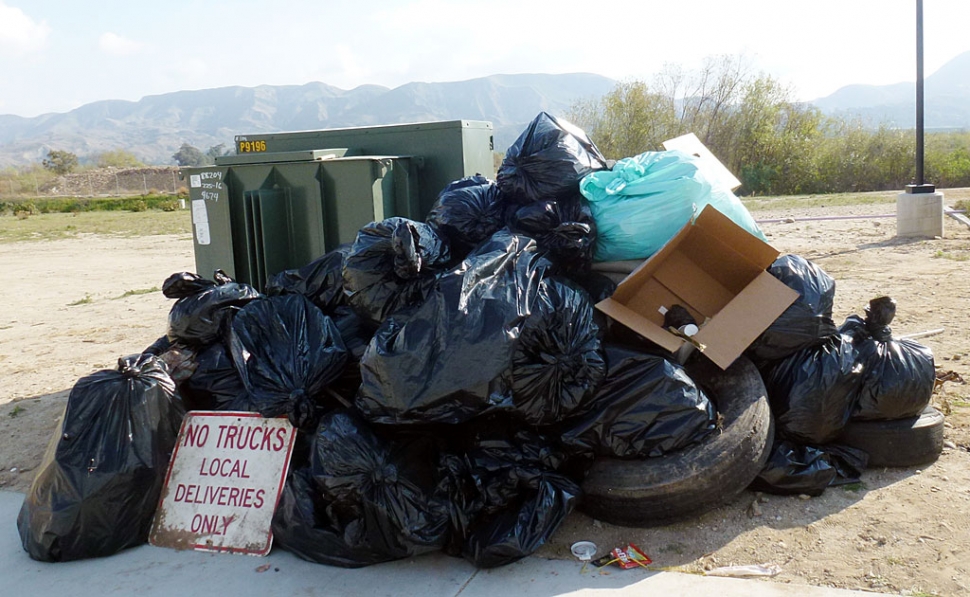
[{"x": 919, "y": 214}]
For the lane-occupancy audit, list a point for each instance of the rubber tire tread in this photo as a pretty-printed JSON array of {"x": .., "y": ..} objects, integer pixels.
[
  {"x": 898, "y": 443},
  {"x": 701, "y": 477}
]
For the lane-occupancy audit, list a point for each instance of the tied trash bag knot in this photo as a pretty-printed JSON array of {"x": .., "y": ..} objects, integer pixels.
[
  {"x": 879, "y": 314},
  {"x": 126, "y": 368},
  {"x": 468, "y": 212},
  {"x": 405, "y": 242},
  {"x": 384, "y": 474},
  {"x": 563, "y": 227},
  {"x": 572, "y": 229},
  {"x": 391, "y": 266},
  {"x": 302, "y": 409}
]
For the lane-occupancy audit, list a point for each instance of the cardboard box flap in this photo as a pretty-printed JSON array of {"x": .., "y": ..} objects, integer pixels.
[
  {"x": 719, "y": 225},
  {"x": 634, "y": 321},
  {"x": 707, "y": 163},
  {"x": 739, "y": 323}
]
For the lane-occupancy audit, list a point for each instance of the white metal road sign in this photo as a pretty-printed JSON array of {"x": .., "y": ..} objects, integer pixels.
[{"x": 223, "y": 483}]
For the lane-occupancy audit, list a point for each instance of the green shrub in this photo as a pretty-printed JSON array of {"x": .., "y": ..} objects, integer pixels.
[
  {"x": 83, "y": 204},
  {"x": 774, "y": 144},
  {"x": 24, "y": 209}
]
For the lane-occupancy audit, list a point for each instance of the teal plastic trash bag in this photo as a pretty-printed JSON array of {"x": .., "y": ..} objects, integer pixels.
[{"x": 645, "y": 200}]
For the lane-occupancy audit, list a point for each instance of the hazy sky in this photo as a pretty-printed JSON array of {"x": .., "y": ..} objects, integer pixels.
[{"x": 56, "y": 55}]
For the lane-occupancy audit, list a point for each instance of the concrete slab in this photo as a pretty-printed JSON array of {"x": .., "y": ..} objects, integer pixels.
[
  {"x": 147, "y": 571},
  {"x": 535, "y": 577}
]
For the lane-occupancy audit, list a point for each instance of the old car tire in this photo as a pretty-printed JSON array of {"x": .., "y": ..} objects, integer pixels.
[
  {"x": 903, "y": 442},
  {"x": 617, "y": 271},
  {"x": 656, "y": 491}
]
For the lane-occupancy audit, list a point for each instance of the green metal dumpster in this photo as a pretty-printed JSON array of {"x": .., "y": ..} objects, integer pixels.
[{"x": 285, "y": 199}]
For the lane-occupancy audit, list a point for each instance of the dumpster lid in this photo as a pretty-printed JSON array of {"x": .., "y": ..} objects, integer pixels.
[{"x": 276, "y": 157}]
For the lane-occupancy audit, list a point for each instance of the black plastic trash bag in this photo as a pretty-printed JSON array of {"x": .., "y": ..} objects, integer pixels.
[
  {"x": 468, "y": 212},
  {"x": 564, "y": 227},
  {"x": 98, "y": 485},
  {"x": 517, "y": 532},
  {"x": 321, "y": 281},
  {"x": 794, "y": 469},
  {"x": 646, "y": 407},
  {"x": 203, "y": 306},
  {"x": 158, "y": 346},
  {"x": 180, "y": 360},
  {"x": 392, "y": 265},
  {"x": 462, "y": 493},
  {"x": 805, "y": 323},
  {"x": 506, "y": 457},
  {"x": 598, "y": 286},
  {"x": 558, "y": 362},
  {"x": 814, "y": 392},
  {"x": 287, "y": 353},
  {"x": 215, "y": 384},
  {"x": 302, "y": 525},
  {"x": 547, "y": 161},
  {"x": 450, "y": 359},
  {"x": 899, "y": 375},
  {"x": 525, "y": 496},
  {"x": 381, "y": 482},
  {"x": 374, "y": 499},
  {"x": 178, "y": 357},
  {"x": 356, "y": 336}
]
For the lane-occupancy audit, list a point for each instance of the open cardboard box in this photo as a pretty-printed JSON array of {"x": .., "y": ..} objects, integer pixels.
[{"x": 716, "y": 270}]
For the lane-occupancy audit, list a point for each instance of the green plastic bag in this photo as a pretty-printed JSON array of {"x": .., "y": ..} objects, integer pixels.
[{"x": 645, "y": 200}]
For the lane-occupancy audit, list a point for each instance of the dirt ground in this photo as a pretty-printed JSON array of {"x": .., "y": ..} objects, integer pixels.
[{"x": 74, "y": 306}]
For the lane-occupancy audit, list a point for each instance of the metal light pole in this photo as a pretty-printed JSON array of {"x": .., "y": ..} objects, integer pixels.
[
  {"x": 919, "y": 185},
  {"x": 919, "y": 211}
]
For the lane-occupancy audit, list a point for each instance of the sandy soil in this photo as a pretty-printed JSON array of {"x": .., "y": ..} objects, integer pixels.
[{"x": 66, "y": 314}]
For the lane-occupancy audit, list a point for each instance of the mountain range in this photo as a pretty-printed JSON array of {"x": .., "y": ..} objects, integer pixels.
[
  {"x": 154, "y": 127},
  {"x": 946, "y": 104}
]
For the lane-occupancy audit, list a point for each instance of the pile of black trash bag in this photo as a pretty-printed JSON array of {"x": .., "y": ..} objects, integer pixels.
[
  {"x": 481, "y": 398},
  {"x": 820, "y": 376},
  {"x": 448, "y": 379}
]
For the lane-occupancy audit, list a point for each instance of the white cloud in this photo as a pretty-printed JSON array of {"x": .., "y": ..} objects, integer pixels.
[
  {"x": 351, "y": 67},
  {"x": 19, "y": 32},
  {"x": 112, "y": 43}
]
